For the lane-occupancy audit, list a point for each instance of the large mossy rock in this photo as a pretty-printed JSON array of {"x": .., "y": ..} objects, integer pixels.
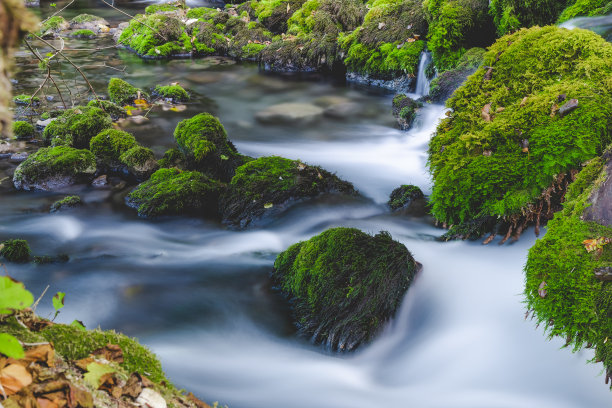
[
  {"x": 269, "y": 185},
  {"x": 538, "y": 107},
  {"x": 76, "y": 127},
  {"x": 443, "y": 86},
  {"x": 54, "y": 168},
  {"x": 176, "y": 192},
  {"x": 569, "y": 271},
  {"x": 203, "y": 141},
  {"x": 344, "y": 285}
]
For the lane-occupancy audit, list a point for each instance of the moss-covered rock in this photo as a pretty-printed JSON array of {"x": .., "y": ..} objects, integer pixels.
[
  {"x": 174, "y": 93},
  {"x": 176, "y": 192},
  {"x": 139, "y": 162},
  {"x": 585, "y": 8},
  {"x": 109, "y": 145},
  {"x": 66, "y": 203},
  {"x": 15, "y": 250},
  {"x": 53, "y": 168},
  {"x": 273, "y": 14},
  {"x": 173, "y": 158},
  {"x": 83, "y": 33},
  {"x": 405, "y": 110},
  {"x": 115, "y": 111},
  {"x": 443, "y": 86},
  {"x": 568, "y": 282},
  {"x": 269, "y": 185},
  {"x": 122, "y": 93},
  {"x": 507, "y": 149},
  {"x": 409, "y": 199},
  {"x": 23, "y": 130},
  {"x": 510, "y": 15},
  {"x": 54, "y": 24},
  {"x": 76, "y": 127},
  {"x": 24, "y": 99},
  {"x": 455, "y": 26},
  {"x": 344, "y": 285},
  {"x": 203, "y": 141}
]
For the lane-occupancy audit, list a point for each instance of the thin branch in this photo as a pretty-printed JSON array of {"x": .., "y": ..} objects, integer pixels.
[
  {"x": 138, "y": 21},
  {"x": 103, "y": 66},
  {"x": 39, "y": 299},
  {"x": 49, "y": 76},
  {"x": 59, "y": 11}
]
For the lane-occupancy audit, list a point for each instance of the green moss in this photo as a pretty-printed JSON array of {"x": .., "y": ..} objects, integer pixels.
[
  {"x": 169, "y": 37},
  {"x": 23, "y": 130},
  {"x": 575, "y": 304},
  {"x": 510, "y": 15},
  {"x": 203, "y": 141},
  {"x": 26, "y": 100},
  {"x": 115, "y": 111},
  {"x": 66, "y": 202},
  {"x": 84, "y": 33},
  {"x": 15, "y": 250},
  {"x": 480, "y": 165},
  {"x": 85, "y": 18},
  {"x": 443, "y": 86},
  {"x": 387, "y": 60},
  {"x": 109, "y": 145},
  {"x": 53, "y": 167},
  {"x": 252, "y": 50},
  {"x": 140, "y": 162},
  {"x": 55, "y": 24},
  {"x": 404, "y": 196},
  {"x": 174, "y": 92},
  {"x": 175, "y": 192},
  {"x": 75, "y": 127},
  {"x": 164, "y": 7},
  {"x": 585, "y": 8},
  {"x": 122, "y": 93},
  {"x": 344, "y": 284},
  {"x": 405, "y": 110},
  {"x": 172, "y": 158}
]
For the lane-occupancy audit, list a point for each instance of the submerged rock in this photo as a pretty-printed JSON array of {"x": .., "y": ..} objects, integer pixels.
[
  {"x": 409, "y": 199},
  {"x": 344, "y": 285},
  {"x": 66, "y": 203},
  {"x": 269, "y": 185},
  {"x": 405, "y": 110},
  {"x": 15, "y": 250},
  {"x": 443, "y": 86},
  {"x": 54, "y": 168},
  {"x": 289, "y": 114}
]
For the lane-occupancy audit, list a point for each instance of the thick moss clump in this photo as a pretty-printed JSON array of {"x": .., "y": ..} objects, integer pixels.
[
  {"x": 24, "y": 99},
  {"x": 23, "y": 130},
  {"x": 115, "y": 111},
  {"x": 76, "y": 126},
  {"x": 273, "y": 14},
  {"x": 405, "y": 110},
  {"x": 54, "y": 24},
  {"x": 443, "y": 86},
  {"x": 407, "y": 198},
  {"x": 169, "y": 39},
  {"x": 510, "y": 143},
  {"x": 173, "y": 158},
  {"x": 344, "y": 285},
  {"x": 510, "y": 15},
  {"x": 455, "y": 26},
  {"x": 562, "y": 288},
  {"x": 55, "y": 167},
  {"x": 387, "y": 44},
  {"x": 268, "y": 185},
  {"x": 109, "y": 145},
  {"x": 66, "y": 202},
  {"x": 15, "y": 250},
  {"x": 585, "y": 8},
  {"x": 139, "y": 162},
  {"x": 175, "y": 93},
  {"x": 175, "y": 192},
  {"x": 122, "y": 93},
  {"x": 204, "y": 142},
  {"x": 83, "y": 33},
  {"x": 85, "y": 18}
]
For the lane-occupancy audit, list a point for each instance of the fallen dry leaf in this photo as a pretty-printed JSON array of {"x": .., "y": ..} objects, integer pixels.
[
  {"x": 485, "y": 112},
  {"x": 14, "y": 377},
  {"x": 110, "y": 352},
  {"x": 43, "y": 353}
]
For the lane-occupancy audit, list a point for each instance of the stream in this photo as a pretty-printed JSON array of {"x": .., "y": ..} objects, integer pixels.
[{"x": 198, "y": 294}]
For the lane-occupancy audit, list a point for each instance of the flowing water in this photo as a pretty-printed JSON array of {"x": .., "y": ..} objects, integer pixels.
[
  {"x": 199, "y": 295},
  {"x": 422, "y": 84}
]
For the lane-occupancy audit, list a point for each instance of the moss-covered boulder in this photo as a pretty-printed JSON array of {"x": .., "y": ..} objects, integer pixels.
[
  {"x": 176, "y": 192},
  {"x": 65, "y": 203},
  {"x": 173, "y": 158},
  {"x": 23, "y": 130},
  {"x": 76, "y": 127},
  {"x": 174, "y": 93},
  {"x": 15, "y": 250},
  {"x": 54, "y": 25},
  {"x": 122, "y": 93},
  {"x": 568, "y": 282},
  {"x": 507, "y": 149},
  {"x": 109, "y": 145},
  {"x": 115, "y": 111},
  {"x": 24, "y": 99},
  {"x": 408, "y": 199},
  {"x": 139, "y": 162},
  {"x": 510, "y": 15},
  {"x": 89, "y": 22},
  {"x": 273, "y": 14},
  {"x": 203, "y": 141},
  {"x": 586, "y": 8},
  {"x": 405, "y": 110},
  {"x": 456, "y": 26},
  {"x": 443, "y": 86},
  {"x": 54, "y": 168},
  {"x": 83, "y": 33},
  {"x": 269, "y": 185},
  {"x": 344, "y": 285}
]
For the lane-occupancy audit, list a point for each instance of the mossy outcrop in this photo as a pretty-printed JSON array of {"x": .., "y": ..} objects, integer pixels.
[
  {"x": 176, "y": 192},
  {"x": 24, "y": 99},
  {"x": 408, "y": 199},
  {"x": 83, "y": 33},
  {"x": 109, "y": 145},
  {"x": 65, "y": 203},
  {"x": 15, "y": 250},
  {"x": 139, "y": 162},
  {"x": 23, "y": 130},
  {"x": 405, "y": 110},
  {"x": 510, "y": 15},
  {"x": 54, "y": 25},
  {"x": 443, "y": 86},
  {"x": 54, "y": 168},
  {"x": 203, "y": 141},
  {"x": 174, "y": 93},
  {"x": 508, "y": 148},
  {"x": 76, "y": 127},
  {"x": 269, "y": 185},
  {"x": 344, "y": 285},
  {"x": 569, "y": 271},
  {"x": 122, "y": 93},
  {"x": 115, "y": 111}
]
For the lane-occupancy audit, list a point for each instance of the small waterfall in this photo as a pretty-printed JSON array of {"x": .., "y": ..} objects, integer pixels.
[
  {"x": 422, "y": 84},
  {"x": 602, "y": 25}
]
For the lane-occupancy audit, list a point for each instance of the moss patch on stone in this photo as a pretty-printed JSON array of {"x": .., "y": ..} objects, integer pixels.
[
  {"x": 172, "y": 158},
  {"x": 405, "y": 197},
  {"x": 83, "y": 33},
  {"x": 54, "y": 24},
  {"x": 15, "y": 250},
  {"x": 109, "y": 145},
  {"x": 175, "y": 192},
  {"x": 122, "y": 93},
  {"x": 26, "y": 100},
  {"x": 443, "y": 86},
  {"x": 23, "y": 130},
  {"x": 169, "y": 37},
  {"x": 115, "y": 111},
  {"x": 508, "y": 139},
  {"x": 76, "y": 127},
  {"x": 66, "y": 202},
  {"x": 344, "y": 284},
  {"x": 405, "y": 110},
  {"x": 175, "y": 93},
  {"x": 140, "y": 162}
]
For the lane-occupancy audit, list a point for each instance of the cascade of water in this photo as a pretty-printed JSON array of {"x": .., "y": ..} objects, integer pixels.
[
  {"x": 602, "y": 25},
  {"x": 422, "y": 84}
]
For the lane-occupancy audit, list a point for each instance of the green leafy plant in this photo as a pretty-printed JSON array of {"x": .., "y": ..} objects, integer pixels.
[
  {"x": 58, "y": 302},
  {"x": 13, "y": 296}
]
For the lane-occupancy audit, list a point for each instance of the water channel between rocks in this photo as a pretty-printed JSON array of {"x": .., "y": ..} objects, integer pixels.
[{"x": 198, "y": 294}]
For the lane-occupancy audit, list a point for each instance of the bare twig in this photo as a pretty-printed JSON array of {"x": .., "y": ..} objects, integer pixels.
[
  {"x": 49, "y": 76},
  {"x": 138, "y": 21},
  {"x": 34, "y": 344},
  {"x": 103, "y": 66},
  {"x": 39, "y": 299}
]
